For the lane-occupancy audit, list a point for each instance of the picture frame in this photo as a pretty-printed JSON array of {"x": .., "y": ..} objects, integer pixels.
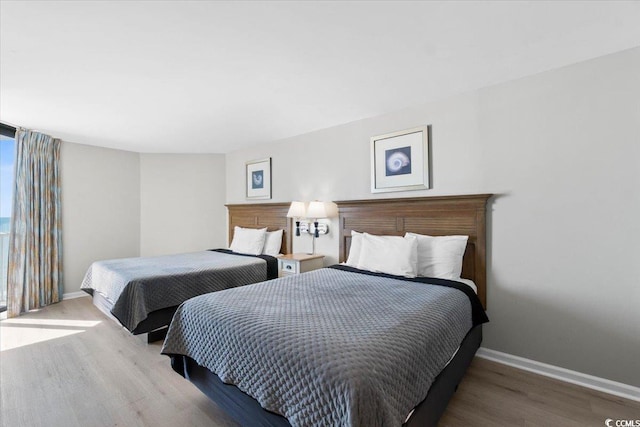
[
  {"x": 400, "y": 161},
  {"x": 258, "y": 176}
]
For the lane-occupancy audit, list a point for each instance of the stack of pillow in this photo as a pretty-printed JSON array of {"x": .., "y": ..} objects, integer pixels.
[
  {"x": 256, "y": 241},
  {"x": 410, "y": 256}
]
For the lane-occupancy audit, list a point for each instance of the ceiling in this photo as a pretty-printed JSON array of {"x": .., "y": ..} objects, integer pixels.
[{"x": 212, "y": 77}]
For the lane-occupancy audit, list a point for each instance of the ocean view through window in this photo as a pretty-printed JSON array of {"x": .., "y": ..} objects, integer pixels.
[{"x": 7, "y": 159}]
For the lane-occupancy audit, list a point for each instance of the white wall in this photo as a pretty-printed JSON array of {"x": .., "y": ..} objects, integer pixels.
[
  {"x": 182, "y": 203},
  {"x": 561, "y": 151},
  {"x": 118, "y": 204},
  {"x": 100, "y": 208}
]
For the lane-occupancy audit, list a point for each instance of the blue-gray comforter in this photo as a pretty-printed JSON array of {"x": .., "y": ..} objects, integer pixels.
[
  {"x": 329, "y": 347},
  {"x": 139, "y": 286}
]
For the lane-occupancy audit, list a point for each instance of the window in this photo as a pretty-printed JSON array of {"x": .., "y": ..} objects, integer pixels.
[{"x": 7, "y": 159}]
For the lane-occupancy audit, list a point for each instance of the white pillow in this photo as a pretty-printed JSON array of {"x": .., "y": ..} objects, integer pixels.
[
  {"x": 440, "y": 256},
  {"x": 272, "y": 243},
  {"x": 248, "y": 240},
  {"x": 389, "y": 254},
  {"x": 354, "y": 249}
]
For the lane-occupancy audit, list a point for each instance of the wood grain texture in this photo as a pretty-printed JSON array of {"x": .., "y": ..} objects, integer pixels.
[
  {"x": 492, "y": 394},
  {"x": 273, "y": 216},
  {"x": 69, "y": 365},
  {"x": 434, "y": 216}
]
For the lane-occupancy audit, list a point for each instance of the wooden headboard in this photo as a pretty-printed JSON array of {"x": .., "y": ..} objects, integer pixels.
[
  {"x": 435, "y": 216},
  {"x": 273, "y": 216}
]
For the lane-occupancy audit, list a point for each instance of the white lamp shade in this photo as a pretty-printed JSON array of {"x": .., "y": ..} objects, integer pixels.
[
  {"x": 297, "y": 210},
  {"x": 317, "y": 210}
]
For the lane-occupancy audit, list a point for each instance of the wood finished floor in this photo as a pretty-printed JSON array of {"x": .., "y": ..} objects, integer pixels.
[{"x": 68, "y": 365}]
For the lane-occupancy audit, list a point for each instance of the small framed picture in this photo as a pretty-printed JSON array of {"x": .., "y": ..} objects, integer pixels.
[
  {"x": 400, "y": 161},
  {"x": 259, "y": 179}
]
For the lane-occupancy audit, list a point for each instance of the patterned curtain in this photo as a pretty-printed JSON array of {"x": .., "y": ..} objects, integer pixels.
[{"x": 34, "y": 276}]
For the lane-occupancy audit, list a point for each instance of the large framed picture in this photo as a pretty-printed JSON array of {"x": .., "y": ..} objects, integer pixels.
[
  {"x": 259, "y": 179},
  {"x": 400, "y": 161}
]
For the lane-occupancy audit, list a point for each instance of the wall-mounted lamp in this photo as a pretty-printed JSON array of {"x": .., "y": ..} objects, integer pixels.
[
  {"x": 297, "y": 210},
  {"x": 317, "y": 210}
]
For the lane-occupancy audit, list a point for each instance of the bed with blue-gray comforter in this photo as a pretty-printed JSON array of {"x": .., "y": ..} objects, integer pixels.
[
  {"x": 134, "y": 290},
  {"x": 333, "y": 347}
]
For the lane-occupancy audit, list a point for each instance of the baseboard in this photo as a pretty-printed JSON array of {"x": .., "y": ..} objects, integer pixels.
[
  {"x": 562, "y": 374},
  {"x": 77, "y": 294}
]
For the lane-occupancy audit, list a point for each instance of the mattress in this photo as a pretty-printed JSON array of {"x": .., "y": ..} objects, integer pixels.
[
  {"x": 336, "y": 346},
  {"x": 136, "y": 287}
]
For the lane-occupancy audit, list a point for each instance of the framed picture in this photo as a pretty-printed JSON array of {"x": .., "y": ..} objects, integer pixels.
[
  {"x": 400, "y": 161},
  {"x": 259, "y": 179}
]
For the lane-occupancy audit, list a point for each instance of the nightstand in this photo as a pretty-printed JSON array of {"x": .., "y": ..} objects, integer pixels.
[{"x": 299, "y": 263}]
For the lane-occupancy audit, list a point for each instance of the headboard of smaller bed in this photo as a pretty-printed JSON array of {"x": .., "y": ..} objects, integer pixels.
[
  {"x": 434, "y": 216},
  {"x": 273, "y": 216}
]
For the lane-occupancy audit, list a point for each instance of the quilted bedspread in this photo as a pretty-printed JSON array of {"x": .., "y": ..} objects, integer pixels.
[
  {"x": 328, "y": 347},
  {"x": 139, "y": 286}
]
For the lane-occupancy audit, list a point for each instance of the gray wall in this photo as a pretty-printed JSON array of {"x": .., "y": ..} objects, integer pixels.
[
  {"x": 181, "y": 203},
  {"x": 100, "y": 208},
  {"x": 561, "y": 150},
  {"x": 118, "y": 204}
]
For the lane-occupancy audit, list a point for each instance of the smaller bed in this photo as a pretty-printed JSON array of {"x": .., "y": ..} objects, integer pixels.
[{"x": 143, "y": 293}]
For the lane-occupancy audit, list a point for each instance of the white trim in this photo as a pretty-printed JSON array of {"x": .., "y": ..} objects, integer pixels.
[
  {"x": 77, "y": 294},
  {"x": 562, "y": 374}
]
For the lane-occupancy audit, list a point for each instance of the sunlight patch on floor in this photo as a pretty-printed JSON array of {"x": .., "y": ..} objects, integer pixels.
[
  {"x": 17, "y": 332},
  {"x": 52, "y": 322}
]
